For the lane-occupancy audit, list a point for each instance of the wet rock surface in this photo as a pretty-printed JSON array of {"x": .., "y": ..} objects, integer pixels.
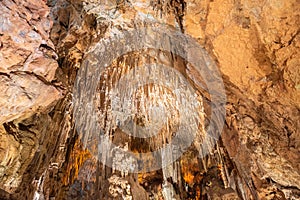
[{"x": 256, "y": 47}]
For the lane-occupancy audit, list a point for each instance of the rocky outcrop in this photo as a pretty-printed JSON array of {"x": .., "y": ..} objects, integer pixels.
[
  {"x": 256, "y": 48},
  {"x": 27, "y": 74}
]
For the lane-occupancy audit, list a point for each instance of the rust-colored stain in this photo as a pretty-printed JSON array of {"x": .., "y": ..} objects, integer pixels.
[
  {"x": 191, "y": 173},
  {"x": 77, "y": 158}
]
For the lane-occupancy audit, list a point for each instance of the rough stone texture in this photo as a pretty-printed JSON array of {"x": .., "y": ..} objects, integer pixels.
[
  {"x": 27, "y": 69},
  {"x": 27, "y": 60},
  {"x": 256, "y": 46}
]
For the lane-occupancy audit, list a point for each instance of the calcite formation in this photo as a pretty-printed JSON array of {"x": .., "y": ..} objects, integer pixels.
[{"x": 255, "y": 45}]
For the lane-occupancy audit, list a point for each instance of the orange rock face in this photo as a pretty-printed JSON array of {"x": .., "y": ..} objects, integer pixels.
[
  {"x": 255, "y": 45},
  {"x": 27, "y": 68}
]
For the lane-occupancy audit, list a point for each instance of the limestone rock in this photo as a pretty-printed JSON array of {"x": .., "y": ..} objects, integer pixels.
[
  {"x": 256, "y": 47},
  {"x": 28, "y": 64}
]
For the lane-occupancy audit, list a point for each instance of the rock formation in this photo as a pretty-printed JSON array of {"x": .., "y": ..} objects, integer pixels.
[{"x": 45, "y": 45}]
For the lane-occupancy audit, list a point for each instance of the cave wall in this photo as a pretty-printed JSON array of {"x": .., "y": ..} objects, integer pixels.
[{"x": 255, "y": 45}]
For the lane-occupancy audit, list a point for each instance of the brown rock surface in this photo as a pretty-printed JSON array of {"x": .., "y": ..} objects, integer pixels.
[
  {"x": 256, "y": 47},
  {"x": 27, "y": 69}
]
